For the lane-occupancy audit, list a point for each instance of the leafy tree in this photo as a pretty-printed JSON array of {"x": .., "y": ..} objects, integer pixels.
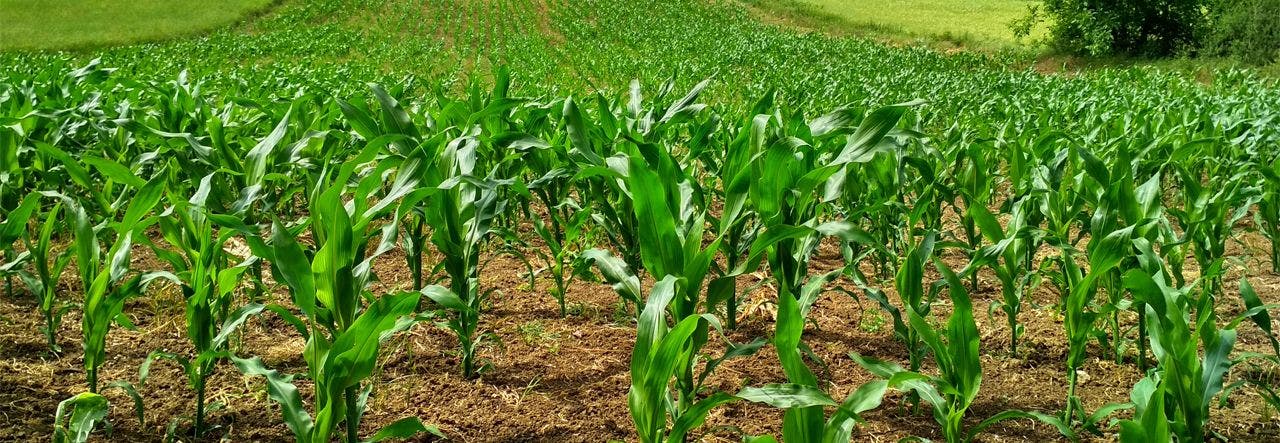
[
  {"x": 1131, "y": 27},
  {"x": 1246, "y": 29}
]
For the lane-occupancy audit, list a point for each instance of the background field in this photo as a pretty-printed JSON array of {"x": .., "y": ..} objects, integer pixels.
[
  {"x": 985, "y": 22},
  {"x": 72, "y": 24},
  {"x": 972, "y": 24}
]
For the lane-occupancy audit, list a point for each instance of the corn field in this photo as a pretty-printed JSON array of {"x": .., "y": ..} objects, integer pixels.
[{"x": 326, "y": 243}]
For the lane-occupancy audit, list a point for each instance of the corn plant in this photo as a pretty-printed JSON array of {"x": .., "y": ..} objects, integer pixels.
[
  {"x": 86, "y": 410},
  {"x": 1104, "y": 255},
  {"x": 567, "y": 224},
  {"x": 1207, "y": 216},
  {"x": 48, "y": 265},
  {"x": 462, "y": 209},
  {"x": 974, "y": 187},
  {"x": 1119, "y": 200},
  {"x": 737, "y": 220},
  {"x": 803, "y": 422},
  {"x": 459, "y": 202},
  {"x": 910, "y": 285},
  {"x": 603, "y": 165},
  {"x": 394, "y": 127},
  {"x": 1257, "y": 374},
  {"x": 12, "y": 230},
  {"x": 338, "y": 368},
  {"x": 955, "y": 350},
  {"x": 1007, "y": 257},
  {"x": 789, "y": 202},
  {"x": 330, "y": 285},
  {"x": 106, "y": 283},
  {"x": 1269, "y": 207},
  {"x": 657, "y": 357},
  {"x": 201, "y": 268},
  {"x": 671, "y": 244},
  {"x": 1187, "y": 380},
  {"x": 1150, "y": 420},
  {"x": 561, "y": 248},
  {"x": 1054, "y": 183}
]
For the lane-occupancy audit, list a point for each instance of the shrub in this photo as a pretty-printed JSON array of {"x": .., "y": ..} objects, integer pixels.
[
  {"x": 1246, "y": 29},
  {"x": 1130, "y": 27}
]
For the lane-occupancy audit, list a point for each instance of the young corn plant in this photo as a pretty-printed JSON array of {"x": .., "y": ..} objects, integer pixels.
[
  {"x": 955, "y": 349},
  {"x": 462, "y": 210},
  {"x": 737, "y": 224},
  {"x": 602, "y": 151},
  {"x": 12, "y": 230},
  {"x": 1150, "y": 420},
  {"x": 1120, "y": 201},
  {"x": 459, "y": 202},
  {"x": 567, "y": 225},
  {"x": 338, "y": 368},
  {"x": 1104, "y": 255},
  {"x": 86, "y": 410},
  {"x": 808, "y": 422},
  {"x": 331, "y": 285},
  {"x": 672, "y": 245},
  {"x": 1208, "y": 215},
  {"x": 1054, "y": 184},
  {"x": 562, "y": 241},
  {"x": 974, "y": 184},
  {"x": 796, "y": 180},
  {"x": 657, "y": 357},
  {"x": 1259, "y": 375},
  {"x": 1181, "y": 325},
  {"x": 1269, "y": 207},
  {"x": 790, "y": 203},
  {"x": 910, "y": 285},
  {"x": 48, "y": 265},
  {"x": 1007, "y": 258},
  {"x": 106, "y": 283},
  {"x": 202, "y": 269}
]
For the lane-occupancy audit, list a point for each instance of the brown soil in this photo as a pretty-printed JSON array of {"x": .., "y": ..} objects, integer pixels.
[{"x": 566, "y": 379}]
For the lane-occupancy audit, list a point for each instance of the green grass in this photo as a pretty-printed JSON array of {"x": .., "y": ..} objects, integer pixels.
[
  {"x": 81, "y": 24},
  {"x": 971, "y": 23}
]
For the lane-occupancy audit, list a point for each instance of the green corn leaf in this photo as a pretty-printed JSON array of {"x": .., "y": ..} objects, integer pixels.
[
  {"x": 616, "y": 272},
  {"x": 786, "y": 396},
  {"x": 1057, "y": 423},
  {"x": 281, "y": 390},
  {"x": 696, "y": 415},
  {"x": 233, "y": 322},
  {"x": 147, "y": 197},
  {"x": 404, "y": 428},
  {"x": 15, "y": 222},
  {"x": 354, "y": 353},
  {"x": 289, "y": 258},
  {"x": 86, "y": 410},
  {"x": 444, "y": 297},
  {"x": 113, "y": 170},
  {"x": 1260, "y": 317}
]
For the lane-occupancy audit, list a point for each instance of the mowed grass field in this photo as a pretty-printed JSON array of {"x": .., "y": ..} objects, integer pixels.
[
  {"x": 980, "y": 23},
  {"x": 77, "y": 24}
]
